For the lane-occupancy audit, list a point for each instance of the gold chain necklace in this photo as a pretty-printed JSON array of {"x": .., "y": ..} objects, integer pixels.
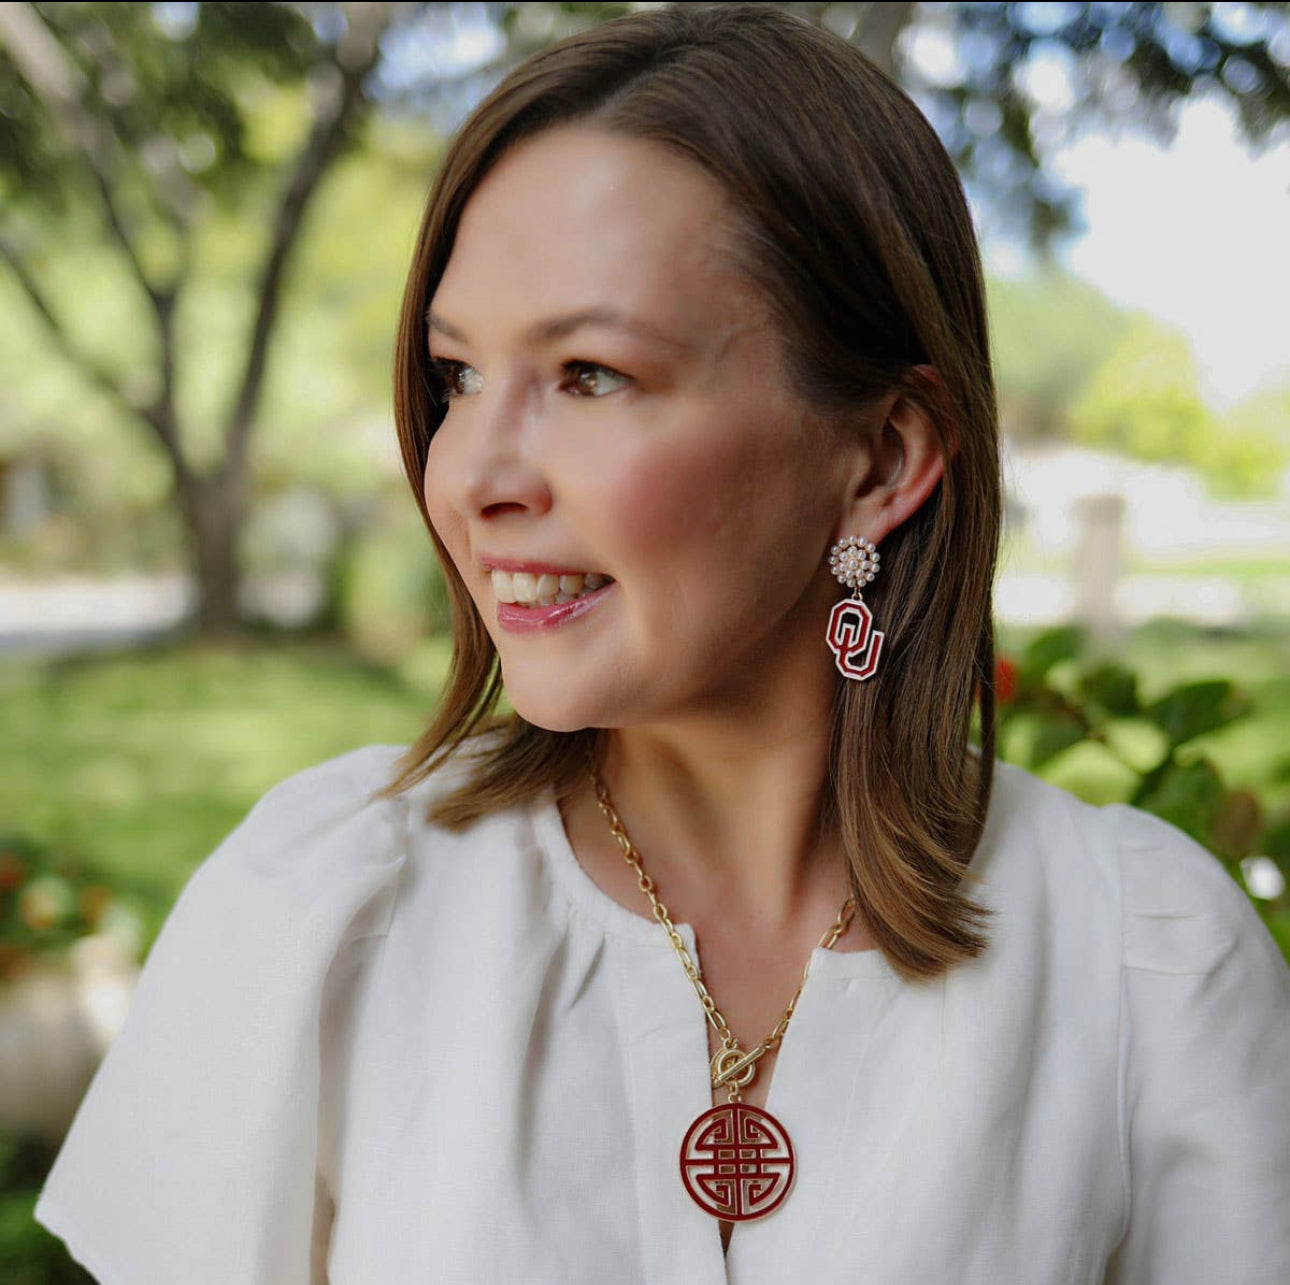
[{"x": 737, "y": 1161}]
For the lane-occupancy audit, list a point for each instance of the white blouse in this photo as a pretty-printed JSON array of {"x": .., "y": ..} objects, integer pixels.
[{"x": 369, "y": 1052}]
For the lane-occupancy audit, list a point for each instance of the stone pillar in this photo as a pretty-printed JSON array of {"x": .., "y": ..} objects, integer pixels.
[{"x": 1099, "y": 561}]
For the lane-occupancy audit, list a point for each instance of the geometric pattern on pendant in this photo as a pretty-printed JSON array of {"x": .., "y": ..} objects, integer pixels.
[
  {"x": 852, "y": 638},
  {"x": 737, "y": 1162}
]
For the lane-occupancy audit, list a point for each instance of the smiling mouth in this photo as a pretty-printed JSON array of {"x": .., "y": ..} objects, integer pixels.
[{"x": 525, "y": 589}]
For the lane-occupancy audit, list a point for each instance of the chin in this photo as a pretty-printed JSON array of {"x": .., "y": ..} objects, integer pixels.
[{"x": 554, "y": 715}]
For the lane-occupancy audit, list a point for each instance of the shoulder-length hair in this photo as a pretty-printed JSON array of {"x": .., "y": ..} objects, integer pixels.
[{"x": 855, "y": 225}]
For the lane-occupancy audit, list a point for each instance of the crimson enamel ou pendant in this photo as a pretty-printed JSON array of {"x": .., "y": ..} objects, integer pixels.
[
  {"x": 737, "y": 1162},
  {"x": 854, "y": 642}
]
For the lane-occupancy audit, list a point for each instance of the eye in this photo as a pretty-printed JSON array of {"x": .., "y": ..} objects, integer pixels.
[
  {"x": 586, "y": 379},
  {"x": 454, "y": 378}
]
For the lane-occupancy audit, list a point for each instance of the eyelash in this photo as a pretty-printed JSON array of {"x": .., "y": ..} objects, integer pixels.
[{"x": 446, "y": 371}]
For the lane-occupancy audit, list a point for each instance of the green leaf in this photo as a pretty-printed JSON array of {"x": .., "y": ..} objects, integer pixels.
[
  {"x": 1279, "y": 927},
  {"x": 1196, "y": 708},
  {"x": 1137, "y": 742},
  {"x": 1187, "y": 796},
  {"x": 1052, "y": 734},
  {"x": 1048, "y": 649},
  {"x": 1113, "y": 688},
  {"x": 1275, "y": 842}
]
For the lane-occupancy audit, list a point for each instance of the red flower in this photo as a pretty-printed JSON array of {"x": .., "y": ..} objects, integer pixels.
[
  {"x": 1005, "y": 680},
  {"x": 12, "y": 870}
]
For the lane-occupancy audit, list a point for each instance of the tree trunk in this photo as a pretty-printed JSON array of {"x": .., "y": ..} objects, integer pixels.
[
  {"x": 880, "y": 29},
  {"x": 214, "y": 506}
]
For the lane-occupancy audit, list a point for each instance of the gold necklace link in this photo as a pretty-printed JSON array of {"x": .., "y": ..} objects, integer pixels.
[{"x": 731, "y": 1065}]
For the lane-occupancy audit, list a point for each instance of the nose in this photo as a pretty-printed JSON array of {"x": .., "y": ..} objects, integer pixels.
[{"x": 486, "y": 450}]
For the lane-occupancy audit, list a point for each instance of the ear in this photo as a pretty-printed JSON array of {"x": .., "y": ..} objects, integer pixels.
[{"x": 901, "y": 464}]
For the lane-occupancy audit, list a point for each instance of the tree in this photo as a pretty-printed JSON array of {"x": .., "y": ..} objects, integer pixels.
[
  {"x": 1251, "y": 450},
  {"x": 1145, "y": 401},
  {"x": 1005, "y": 84},
  {"x": 1049, "y": 335},
  {"x": 145, "y": 116}
]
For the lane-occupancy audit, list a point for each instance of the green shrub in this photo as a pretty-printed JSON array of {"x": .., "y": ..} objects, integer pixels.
[
  {"x": 1082, "y": 721},
  {"x": 48, "y": 898}
]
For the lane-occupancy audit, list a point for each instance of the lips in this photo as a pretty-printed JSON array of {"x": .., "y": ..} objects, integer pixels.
[{"x": 517, "y": 618}]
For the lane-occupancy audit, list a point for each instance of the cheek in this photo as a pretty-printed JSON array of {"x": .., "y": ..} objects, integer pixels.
[
  {"x": 444, "y": 518},
  {"x": 434, "y": 488},
  {"x": 706, "y": 499}
]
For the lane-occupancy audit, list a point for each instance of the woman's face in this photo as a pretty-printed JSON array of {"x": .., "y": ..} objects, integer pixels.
[{"x": 619, "y": 414}]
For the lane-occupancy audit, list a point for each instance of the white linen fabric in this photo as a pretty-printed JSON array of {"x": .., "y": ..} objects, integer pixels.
[{"x": 369, "y": 1052}]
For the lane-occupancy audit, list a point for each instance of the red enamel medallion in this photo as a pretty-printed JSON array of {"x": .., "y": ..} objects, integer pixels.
[{"x": 737, "y": 1162}]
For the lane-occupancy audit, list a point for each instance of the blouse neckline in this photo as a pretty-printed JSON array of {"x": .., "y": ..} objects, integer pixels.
[{"x": 592, "y": 902}]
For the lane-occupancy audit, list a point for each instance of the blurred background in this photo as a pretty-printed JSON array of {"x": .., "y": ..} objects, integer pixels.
[{"x": 212, "y": 573}]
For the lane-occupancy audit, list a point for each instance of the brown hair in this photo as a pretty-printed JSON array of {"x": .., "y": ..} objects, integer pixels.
[{"x": 856, "y": 227}]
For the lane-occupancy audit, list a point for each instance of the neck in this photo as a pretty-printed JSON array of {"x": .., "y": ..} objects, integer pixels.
[{"x": 730, "y": 814}]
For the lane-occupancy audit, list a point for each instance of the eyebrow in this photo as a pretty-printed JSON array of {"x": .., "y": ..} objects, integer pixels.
[{"x": 560, "y": 327}]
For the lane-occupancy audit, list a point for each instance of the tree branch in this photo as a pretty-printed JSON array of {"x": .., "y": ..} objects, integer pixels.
[
  {"x": 175, "y": 193},
  {"x": 87, "y": 364},
  {"x": 61, "y": 86},
  {"x": 340, "y": 99},
  {"x": 64, "y": 90}
]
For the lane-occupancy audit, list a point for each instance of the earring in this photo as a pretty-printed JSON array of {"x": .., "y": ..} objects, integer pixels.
[{"x": 852, "y": 639}]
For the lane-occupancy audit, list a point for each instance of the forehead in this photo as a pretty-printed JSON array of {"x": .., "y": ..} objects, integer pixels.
[{"x": 578, "y": 217}]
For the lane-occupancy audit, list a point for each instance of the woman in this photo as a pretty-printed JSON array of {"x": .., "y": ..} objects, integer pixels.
[{"x": 694, "y": 324}]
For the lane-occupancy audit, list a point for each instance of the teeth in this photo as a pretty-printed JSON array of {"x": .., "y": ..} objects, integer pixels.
[
  {"x": 544, "y": 590},
  {"x": 503, "y": 586}
]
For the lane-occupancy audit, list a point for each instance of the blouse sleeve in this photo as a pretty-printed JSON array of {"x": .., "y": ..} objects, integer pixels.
[
  {"x": 1205, "y": 1104},
  {"x": 193, "y": 1156}
]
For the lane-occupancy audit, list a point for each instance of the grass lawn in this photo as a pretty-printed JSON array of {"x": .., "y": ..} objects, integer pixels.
[{"x": 141, "y": 762}]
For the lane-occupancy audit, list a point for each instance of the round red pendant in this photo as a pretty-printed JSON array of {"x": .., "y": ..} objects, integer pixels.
[{"x": 737, "y": 1162}]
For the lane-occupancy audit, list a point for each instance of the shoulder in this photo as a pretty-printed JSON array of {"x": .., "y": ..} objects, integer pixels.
[
  {"x": 323, "y": 834},
  {"x": 224, "y": 1029},
  {"x": 1175, "y": 905},
  {"x": 327, "y": 850},
  {"x": 1043, "y": 844},
  {"x": 340, "y": 798},
  {"x": 1205, "y": 1067},
  {"x": 1183, "y": 912},
  {"x": 330, "y": 842},
  {"x": 325, "y": 792}
]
